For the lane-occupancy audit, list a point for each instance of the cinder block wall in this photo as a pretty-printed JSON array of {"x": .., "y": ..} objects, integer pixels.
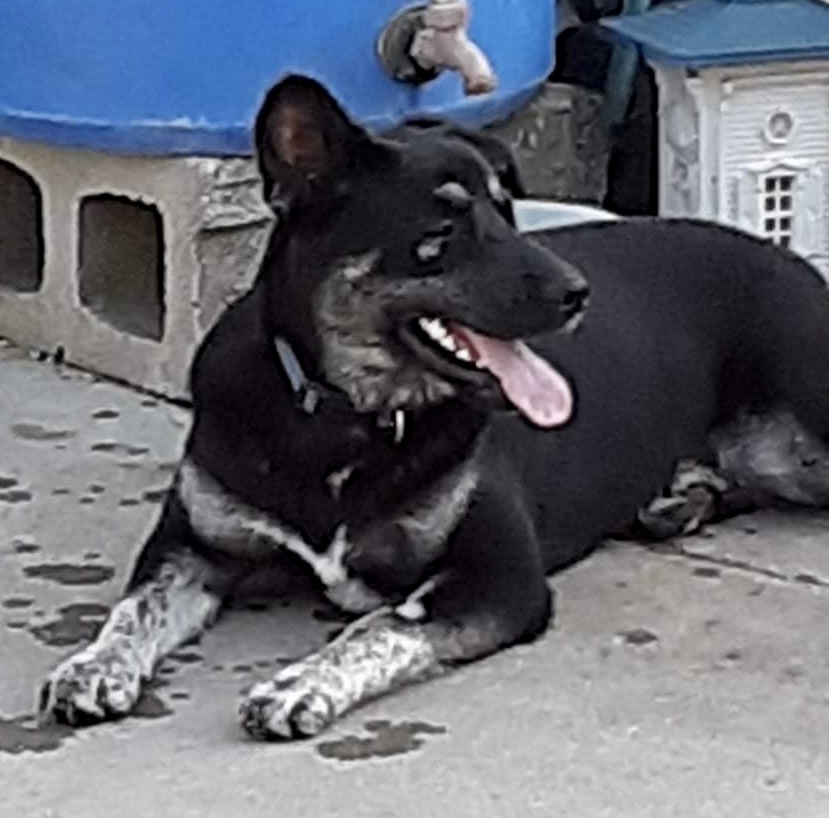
[{"x": 122, "y": 262}]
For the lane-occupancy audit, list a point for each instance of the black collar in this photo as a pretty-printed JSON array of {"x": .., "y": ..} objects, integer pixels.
[{"x": 310, "y": 394}]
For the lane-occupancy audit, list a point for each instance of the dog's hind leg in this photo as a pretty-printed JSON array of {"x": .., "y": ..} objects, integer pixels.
[
  {"x": 492, "y": 593},
  {"x": 699, "y": 493},
  {"x": 174, "y": 601},
  {"x": 773, "y": 458}
]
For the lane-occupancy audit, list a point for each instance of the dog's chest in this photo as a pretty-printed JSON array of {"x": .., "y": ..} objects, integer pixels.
[{"x": 396, "y": 547}]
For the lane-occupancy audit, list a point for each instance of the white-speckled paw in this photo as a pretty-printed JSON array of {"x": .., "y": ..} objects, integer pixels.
[
  {"x": 290, "y": 706},
  {"x": 93, "y": 685}
]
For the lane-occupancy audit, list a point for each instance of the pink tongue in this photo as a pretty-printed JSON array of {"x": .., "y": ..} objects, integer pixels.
[{"x": 540, "y": 393}]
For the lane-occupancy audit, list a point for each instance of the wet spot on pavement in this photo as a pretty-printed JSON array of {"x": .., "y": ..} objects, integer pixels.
[
  {"x": 27, "y": 430},
  {"x": 14, "y": 603},
  {"x": 150, "y": 706},
  {"x": 186, "y": 657},
  {"x": 639, "y": 636},
  {"x": 386, "y": 739},
  {"x": 22, "y": 734},
  {"x": 707, "y": 572},
  {"x": 67, "y": 573},
  {"x": 114, "y": 447},
  {"x": 26, "y": 548},
  {"x": 809, "y": 579},
  {"x": 15, "y": 496},
  {"x": 74, "y": 624}
]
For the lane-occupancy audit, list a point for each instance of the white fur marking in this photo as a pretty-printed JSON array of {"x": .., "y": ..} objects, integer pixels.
[{"x": 220, "y": 518}]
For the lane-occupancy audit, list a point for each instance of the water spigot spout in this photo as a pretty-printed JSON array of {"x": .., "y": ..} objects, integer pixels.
[{"x": 443, "y": 43}]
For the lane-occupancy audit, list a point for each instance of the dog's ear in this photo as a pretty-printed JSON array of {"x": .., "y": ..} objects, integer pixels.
[{"x": 305, "y": 142}]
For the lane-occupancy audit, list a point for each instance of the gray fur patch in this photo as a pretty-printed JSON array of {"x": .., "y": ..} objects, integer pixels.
[
  {"x": 358, "y": 355},
  {"x": 105, "y": 678},
  {"x": 418, "y": 534}
]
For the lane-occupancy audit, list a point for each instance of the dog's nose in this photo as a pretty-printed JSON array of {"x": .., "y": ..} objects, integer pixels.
[{"x": 575, "y": 298}]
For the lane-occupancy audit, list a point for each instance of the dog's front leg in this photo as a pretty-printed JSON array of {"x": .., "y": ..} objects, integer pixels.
[
  {"x": 492, "y": 593},
  {"x": 172, "y": 596}
]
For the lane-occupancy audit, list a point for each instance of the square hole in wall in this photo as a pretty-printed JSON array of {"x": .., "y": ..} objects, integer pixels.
[
  {"x": 121, "y": 257},
  {"x": 21, "y": 230}
]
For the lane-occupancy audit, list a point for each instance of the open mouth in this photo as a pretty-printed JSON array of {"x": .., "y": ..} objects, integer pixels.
[{"x": 529, "y": 382}]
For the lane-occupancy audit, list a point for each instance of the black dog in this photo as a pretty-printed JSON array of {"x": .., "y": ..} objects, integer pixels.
[{"x": 370, "y": 406}]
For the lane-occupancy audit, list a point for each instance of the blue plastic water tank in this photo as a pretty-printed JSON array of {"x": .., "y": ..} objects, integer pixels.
[{"x": 186, "y": 76}]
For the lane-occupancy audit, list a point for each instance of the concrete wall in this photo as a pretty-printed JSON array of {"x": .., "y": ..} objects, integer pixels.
[{"x": 123, "y": 262}]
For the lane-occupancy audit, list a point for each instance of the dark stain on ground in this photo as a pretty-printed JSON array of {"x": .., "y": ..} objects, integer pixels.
[
  {"x": 16, "y": 602},
  {"x": 706, "y": 572},
  {"x": 15, "y": 496},
  {"x": 26, "y": 548},
  {"x": 37, "y": 431},
  {"x": 388, "y": 739},
  {"x": 639, "y": 636},
  {"x": 114, "y": 447},
  {"x": 22, "y": 734},
  {"x": 106, "y": 414},
  {"x": 67, "y": 573},
  {"x": 75, "y": 623},
  {"x": 186, "y": 657},
  {"x": 155, "y": 495},
  {"x": 7, "y": 482},
  {"x": 809, "y": 579},
  {"x": 150, "y": 706}
]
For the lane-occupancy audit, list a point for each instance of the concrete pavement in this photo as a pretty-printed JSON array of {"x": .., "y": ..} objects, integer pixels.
[{"x": 684, "y": 683}]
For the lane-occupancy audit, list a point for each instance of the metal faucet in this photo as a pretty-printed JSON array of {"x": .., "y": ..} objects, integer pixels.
[{"x": 422, "y": 41}]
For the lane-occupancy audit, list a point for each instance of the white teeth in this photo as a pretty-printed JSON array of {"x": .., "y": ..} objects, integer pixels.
[{"x": 438, "y": 332}]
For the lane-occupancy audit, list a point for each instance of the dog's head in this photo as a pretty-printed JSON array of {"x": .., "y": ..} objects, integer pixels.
[{"x": 395, "y": 268}]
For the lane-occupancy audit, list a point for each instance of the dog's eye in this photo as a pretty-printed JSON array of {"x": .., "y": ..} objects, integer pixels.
[
  {"x": 433, "y": 244},
  {"x": 455, "y": 195}
]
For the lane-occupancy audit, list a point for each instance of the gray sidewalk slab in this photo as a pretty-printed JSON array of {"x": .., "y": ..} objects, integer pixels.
[{"x": 687, "y": 683}]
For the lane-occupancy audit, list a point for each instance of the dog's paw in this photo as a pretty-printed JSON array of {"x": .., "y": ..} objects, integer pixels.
[
  {"x": 96, "y": 684},
  {"x": 288, "y": 707}
]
